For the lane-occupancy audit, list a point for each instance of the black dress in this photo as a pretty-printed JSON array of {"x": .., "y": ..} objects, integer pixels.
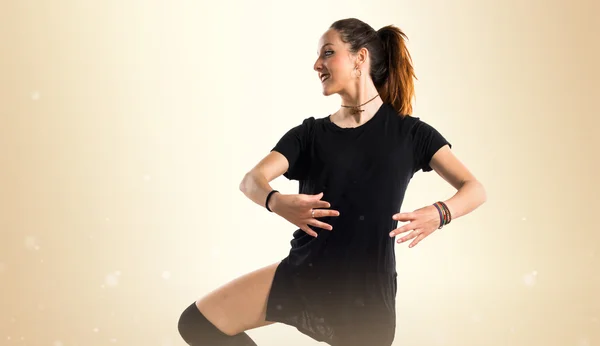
[{"x": 340, "y": 287}]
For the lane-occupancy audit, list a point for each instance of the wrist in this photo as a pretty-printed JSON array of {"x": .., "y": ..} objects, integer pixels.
[
  {"x": 272, "y": 198},
  {"x": 445, "y": 217}
]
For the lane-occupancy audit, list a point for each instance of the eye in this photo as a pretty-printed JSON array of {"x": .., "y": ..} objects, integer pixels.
[{"x": 328, "y": 51}]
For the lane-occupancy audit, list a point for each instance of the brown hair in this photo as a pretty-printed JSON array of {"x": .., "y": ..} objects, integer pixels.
[{"x": 391, "y": 64}]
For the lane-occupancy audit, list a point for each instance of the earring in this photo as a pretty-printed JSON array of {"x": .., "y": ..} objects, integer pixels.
[{"x": 358, "y": 71}]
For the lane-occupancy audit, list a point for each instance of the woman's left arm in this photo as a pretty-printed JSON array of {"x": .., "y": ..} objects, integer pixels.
[
  {"x": 470, "y": 192},
  {"x": 469, "y": 196}
]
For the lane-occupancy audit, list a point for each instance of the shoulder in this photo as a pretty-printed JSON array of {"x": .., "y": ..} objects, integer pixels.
[
  {"x": 310, "y": 124},
  {"x": 302, "y": 131},
  {"x": 416, "y": 126},
  {"x": 407, "y": 124},
  {"x": 414, "y": 129},
  {"x": 303, "y": 126}
]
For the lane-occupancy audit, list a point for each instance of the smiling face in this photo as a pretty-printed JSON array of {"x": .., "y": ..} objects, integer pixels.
[{"x": 335, "y": 64}]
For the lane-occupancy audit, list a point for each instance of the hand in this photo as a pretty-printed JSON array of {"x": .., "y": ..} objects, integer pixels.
[
  {"x": 422, "y": 222},
  {"x": 298, "y": 209}
]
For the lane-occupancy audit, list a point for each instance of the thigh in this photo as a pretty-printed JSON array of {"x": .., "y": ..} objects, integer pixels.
[{"x": 240, "y": 304}]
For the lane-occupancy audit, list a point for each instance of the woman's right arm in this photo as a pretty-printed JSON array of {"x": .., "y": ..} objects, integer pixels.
[
  {"x": 255, "y": 184},
  {"x": 296, "y": 208}
]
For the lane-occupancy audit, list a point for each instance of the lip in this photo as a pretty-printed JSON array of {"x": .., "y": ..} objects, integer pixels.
[{"x": 324, "y": 77}]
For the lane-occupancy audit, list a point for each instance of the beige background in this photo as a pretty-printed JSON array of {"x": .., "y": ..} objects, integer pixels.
[{"x": 126, "y": 127}]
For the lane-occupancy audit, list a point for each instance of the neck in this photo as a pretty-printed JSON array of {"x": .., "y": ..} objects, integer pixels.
[{"x": 363, "y": 92}]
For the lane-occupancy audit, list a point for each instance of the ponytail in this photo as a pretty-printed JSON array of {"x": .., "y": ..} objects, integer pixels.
[{"x": 398, "y": 88}]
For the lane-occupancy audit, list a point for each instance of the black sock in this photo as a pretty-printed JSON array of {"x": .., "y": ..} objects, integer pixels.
[{"x": 196, "y": 330}]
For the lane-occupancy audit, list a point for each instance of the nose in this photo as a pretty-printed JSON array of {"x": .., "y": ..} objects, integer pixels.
[{"x": 318, "y": 66}]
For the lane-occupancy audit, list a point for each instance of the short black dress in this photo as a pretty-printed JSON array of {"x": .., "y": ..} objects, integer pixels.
[{"x": 340, "y": 287}]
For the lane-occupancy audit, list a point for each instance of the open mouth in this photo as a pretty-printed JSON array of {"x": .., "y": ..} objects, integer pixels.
[{"x": 324, "y": 78}]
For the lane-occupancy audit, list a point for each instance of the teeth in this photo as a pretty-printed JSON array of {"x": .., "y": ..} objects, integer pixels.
[{"x": 324, "y": 77}]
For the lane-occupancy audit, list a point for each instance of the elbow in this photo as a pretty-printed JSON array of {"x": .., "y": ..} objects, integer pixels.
[
  {"x": 482, "y": 193},
  {"x": 477, "y": 190},
  {"x": 248, "y": 182},
  {"x": 244, "y": 183}
]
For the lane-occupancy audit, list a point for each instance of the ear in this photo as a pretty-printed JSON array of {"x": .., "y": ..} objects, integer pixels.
[{"x": 360, "y": 58}]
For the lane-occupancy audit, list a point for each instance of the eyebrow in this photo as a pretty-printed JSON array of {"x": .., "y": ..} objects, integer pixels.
[{"x": 326, "y": 44}]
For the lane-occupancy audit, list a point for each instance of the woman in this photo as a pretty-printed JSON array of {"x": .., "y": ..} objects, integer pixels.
[{"x": 338, "y": 283}]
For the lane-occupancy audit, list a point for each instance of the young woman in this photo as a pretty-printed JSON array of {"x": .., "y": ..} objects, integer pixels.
[{"x": 338, "y": 283}]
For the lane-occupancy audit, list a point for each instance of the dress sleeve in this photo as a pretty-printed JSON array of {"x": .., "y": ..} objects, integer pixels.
[
  {"x": 294, "y": 146},
  {"x": 426, "y": 142}
]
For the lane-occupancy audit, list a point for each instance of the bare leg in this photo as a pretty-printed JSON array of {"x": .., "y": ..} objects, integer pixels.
[{"x": 240, "y": 304}]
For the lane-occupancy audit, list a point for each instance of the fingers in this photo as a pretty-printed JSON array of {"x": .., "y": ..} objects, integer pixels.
[
  {"x": 309, "y": 231},
  {"x": 317, "y": 204},
  {"x": 316, "y": 197},
  {"x": 320, "y": 204},
  {"x": 314, "y": 201},
  {"x": 411, "y": 235},
  {"x": 404, "y": 216},
  {"x": 418, "y": 239},
  {"x": 317, "y": 213},
  {"x": 320, "y": 224},
  {"x": 417, "y": 235},
  {"x": 403, "y": 229},
  {"x": 325, "y": 213},
  {"x": 316, "y": 209}
]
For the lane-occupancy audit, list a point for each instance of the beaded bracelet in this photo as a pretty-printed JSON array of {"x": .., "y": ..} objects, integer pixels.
[
  {"x": 444, "y": 211},
  {"x": 267, "y": 200}
]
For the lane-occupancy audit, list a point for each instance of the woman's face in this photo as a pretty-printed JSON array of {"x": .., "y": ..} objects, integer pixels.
[{"x": 335, "y": 64}]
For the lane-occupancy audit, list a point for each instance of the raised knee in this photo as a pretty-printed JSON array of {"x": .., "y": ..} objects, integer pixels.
[
  {"x": 184, "y": 324},
  {"x": 197, "y": 330},
  {"x": 190, "y": 325}
]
